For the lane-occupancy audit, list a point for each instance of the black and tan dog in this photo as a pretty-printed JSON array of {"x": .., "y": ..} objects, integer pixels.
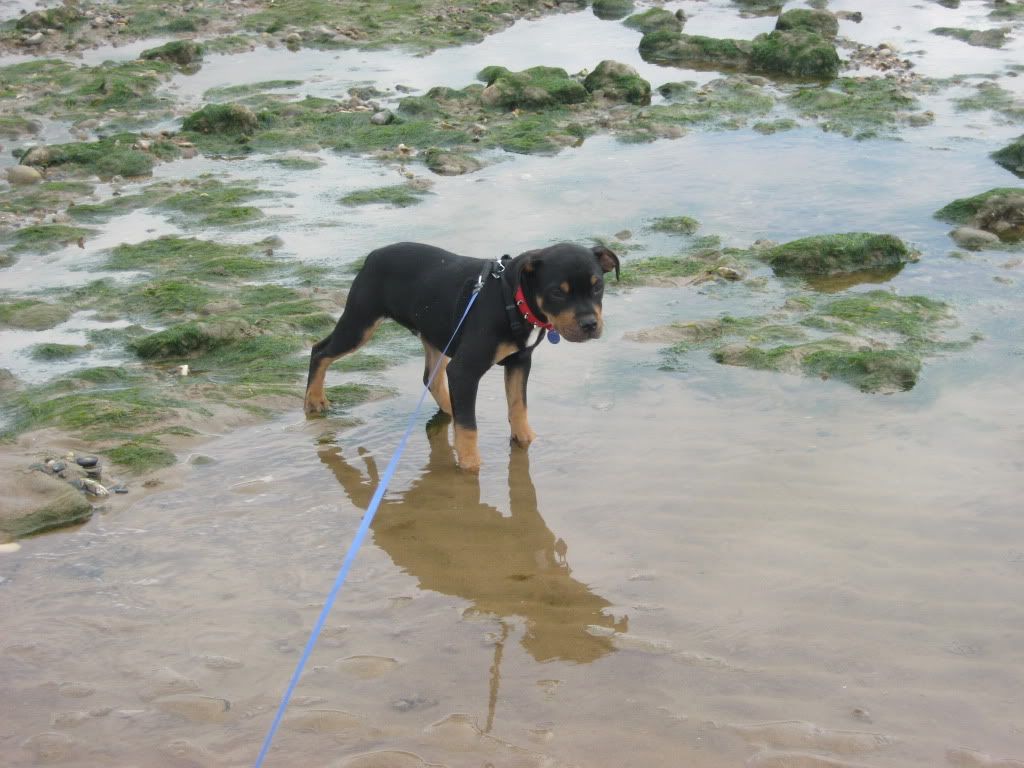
[{"x": 426, "y": 289}]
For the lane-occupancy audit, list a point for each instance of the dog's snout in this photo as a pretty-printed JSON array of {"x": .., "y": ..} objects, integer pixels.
[{"x": 588, "y": 323}]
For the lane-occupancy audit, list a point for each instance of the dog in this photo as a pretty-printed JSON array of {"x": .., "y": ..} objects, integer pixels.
[{"x": 426, "y": 289}]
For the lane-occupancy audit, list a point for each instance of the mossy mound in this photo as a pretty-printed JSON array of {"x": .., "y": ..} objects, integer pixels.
[
  {"x": 984, "y": 38},
  {"x": 819, "y": 22},
  {"x": 676, "y": 225},
  {"x": 138, "y": 457},
  {"x": 32, "y": 314},
  {"x": 184, "y": 53},
  {"x": 534, "y": 88},
  {"x": 999, "y": 211},
  {"x": 450, "y": 163},
  {"x": 49, "y": 351},
  {"x": 117, "y": 155},
  {"x": 44, "y": 238},
  {"x": 229, "y": 119},
  {"x": 1011, "y": 157},
  {"x": 192, "y": 258},
  {"x": 611, "y": 10},
  {"x": 726, "y": 102},
  {"x": 615, "y": 81},
  {"x": 35, "y": 502},
  {"x": 52, "y": 18},
  {"x": 655, "y": 20},
  {"x": 835, "y": 254},
  {"x": 666, "y": 46},
  {"x": 797, "y": 53}
]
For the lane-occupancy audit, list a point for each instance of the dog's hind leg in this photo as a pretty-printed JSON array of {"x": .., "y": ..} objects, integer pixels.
[
  {"x": 354, "y": 329},
  {"x": 439, "y": 386}
]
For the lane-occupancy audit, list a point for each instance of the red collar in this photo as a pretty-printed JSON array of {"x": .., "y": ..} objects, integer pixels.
[{"x": 524, "y": 310}]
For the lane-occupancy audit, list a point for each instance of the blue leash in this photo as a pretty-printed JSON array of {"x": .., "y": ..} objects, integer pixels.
[{"x": 364, "y": 527}]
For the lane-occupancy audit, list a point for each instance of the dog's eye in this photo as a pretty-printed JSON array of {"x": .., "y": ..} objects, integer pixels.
[
  {"x": 598, "y": 287},
  {"x": 557, "y": 293}
]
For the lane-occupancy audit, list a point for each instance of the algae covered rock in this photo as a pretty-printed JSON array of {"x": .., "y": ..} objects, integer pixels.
[
  {"x": 181, "y": 52},
  {"x": 222, "y": 118},
  {"x": 987, "y": 219},
  {"x": 32, "y": 315},
  {"x": 35, "y": 502},
  {"x": 984, "y": 38},
  {"x": 820, "y": 22},
  {"x": 796, "y": 53},
  {"x": 615, "y": 81},
  {"x": 656, "y": 19},
  {"x": 534, "y": 88},
  {"x": 612, "y": 9},
  {"x": 668, "y": 47},
  {"x": 1011, "y": 157},
  {"x": 450, "y": 163},
  {"x": 837, "y": 254}
]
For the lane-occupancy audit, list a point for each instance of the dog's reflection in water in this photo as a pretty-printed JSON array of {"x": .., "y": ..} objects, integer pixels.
[{"x": 440, "y": 532}]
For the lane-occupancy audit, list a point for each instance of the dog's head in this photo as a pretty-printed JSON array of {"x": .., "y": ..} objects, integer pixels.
[{"x": 565, "y": 282}]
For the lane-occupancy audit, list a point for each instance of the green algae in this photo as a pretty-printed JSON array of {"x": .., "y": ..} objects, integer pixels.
[
  {"x": 139, "y": 457},
  {"x": 768, "y": 127},
  {"x": 45, "y": 197},
  {"x": 210, "y": 203},
  {"x": 191, "y": 257},
  {"x": 397, "y": 196},
  {"x": 666, "y": 46},
  {"x": 611, "y": 10},
  {"x": 233, "y": 92},
  {"x": 50, "y": 351},
  {"x": 832, "y": 254},
  {"x": 676, "y": 225},
  {"x": 857, "y": 108},
  {"x": 32, "y": 314},
  {"x": 987, "y": 38},
  {"x": 796, "y": 53},
  {"x": 724, "y": 103},
  {"x": 117, "y": 155},
  {"x": 44, "y": 238},
  {"x": 991, "y": 96}
]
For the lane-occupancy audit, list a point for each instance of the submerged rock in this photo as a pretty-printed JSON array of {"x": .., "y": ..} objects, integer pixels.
[
  {"x": 35, "y": 502},
  {"x": 656, "y": 19},
  {"x": 615, "y": 81},
  {"x": 450, "y": 163},
  {"x": 984, "y": 38},
  {"x": 532, "y": 88},
  {"x": 222, "y": 118},
  {"x": 1011, "y": 157},
  {"x": 988, "y": 219},
  {"x": 612, "y": 9},
  {"x": 820, "y": 22},
  {"x": 837, "y": 254},
  {"x": 23, "y": 175},
  {"x": 180, "y": 52}
]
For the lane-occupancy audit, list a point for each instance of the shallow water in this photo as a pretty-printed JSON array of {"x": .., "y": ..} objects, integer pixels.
[{"x": 712, "y": 567}]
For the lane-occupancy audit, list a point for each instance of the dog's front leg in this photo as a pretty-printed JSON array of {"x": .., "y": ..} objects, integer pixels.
[
  {"x": 517, "y": 372},
  {"x": 463, "y": 382}
]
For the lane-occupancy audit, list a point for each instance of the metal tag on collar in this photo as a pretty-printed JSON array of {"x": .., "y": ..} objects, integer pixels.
[{"x": 553, "y": 336}]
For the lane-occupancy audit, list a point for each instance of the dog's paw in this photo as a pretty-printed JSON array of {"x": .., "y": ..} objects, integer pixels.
[
  {"x": 316, "y": 405},
  {"x": 523, "y": 439},
  {"x": 469, "y": 463}
]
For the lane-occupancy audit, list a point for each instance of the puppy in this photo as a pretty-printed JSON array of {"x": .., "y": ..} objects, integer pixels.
[{"x": 426, "y": 289}]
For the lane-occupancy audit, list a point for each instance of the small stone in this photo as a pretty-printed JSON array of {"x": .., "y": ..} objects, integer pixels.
[
  {"x": 23, "y": 174},
  {"x": 9, "y": 547},
  {"x": 34, "y": 40},
  {"x": 119, "y": 488},
  {"x": 56, "y": 466},
  {"x": 384, "y": 117},
  {"x": 87, "y": 461},
  {"x": 92, "y": 487},
  {"x": 972, "y": 239}
]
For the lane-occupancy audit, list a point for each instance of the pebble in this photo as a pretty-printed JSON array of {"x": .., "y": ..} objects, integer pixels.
[
  {"x": 11, "y": 546},
  {"x": 87, "y": 461},
  {"x": 91, "y": 486},
  {"x": 383, "y": 117},
  {"x": 23, "y": 174},
  {"x": 34, "y": 40},
  {"x": 119, "y": 488}
]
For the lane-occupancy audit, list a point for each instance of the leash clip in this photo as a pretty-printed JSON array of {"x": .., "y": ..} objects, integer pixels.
[{"x": 499, "y": 268}]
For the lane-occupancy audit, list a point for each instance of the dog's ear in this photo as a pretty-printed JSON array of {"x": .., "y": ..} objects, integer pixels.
[
  {"x": 606, "y": 259},
  {"x": 531, "y": 260}
]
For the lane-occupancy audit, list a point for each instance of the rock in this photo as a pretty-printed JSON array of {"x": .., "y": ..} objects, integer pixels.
[
  {"x": 974, "y": 239},
  {"x": 450, "y": 163},
  {"x": 610, "y": 10},
  {"x": 796, "y": 53},
  {"x": 1011, "y": 157},
  {"x": 837, "y": 254},
  {"x": 654, "y": 20},
  {"x": 35, "y": 502},
  {"x": 181, "y": 52},
  {"x": 34, "y": 40},
  {"x": 95, "y": 489},
  {"x": 615, "y": 81},
  {"x": 87, "y": 461},
  {"x": 8, "y": 381},
  {"x": 222, "y": 118},
  {"x": 855, "y": 16},
  {"x": 384, "y": 117},
  {"x": 23, "y": 174},
  {"x": 820, "y": 22},
  {"x": 533, "y": 88}
]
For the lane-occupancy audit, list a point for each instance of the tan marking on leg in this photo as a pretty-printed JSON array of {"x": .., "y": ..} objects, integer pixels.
[
  {"x": 517, "y": 417},
  {"x": 466, "y": 449},
  {"x": 439, "y": 386},
  {"x": 316, "y": 401},
  {"x": 504, "y": 349}
]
